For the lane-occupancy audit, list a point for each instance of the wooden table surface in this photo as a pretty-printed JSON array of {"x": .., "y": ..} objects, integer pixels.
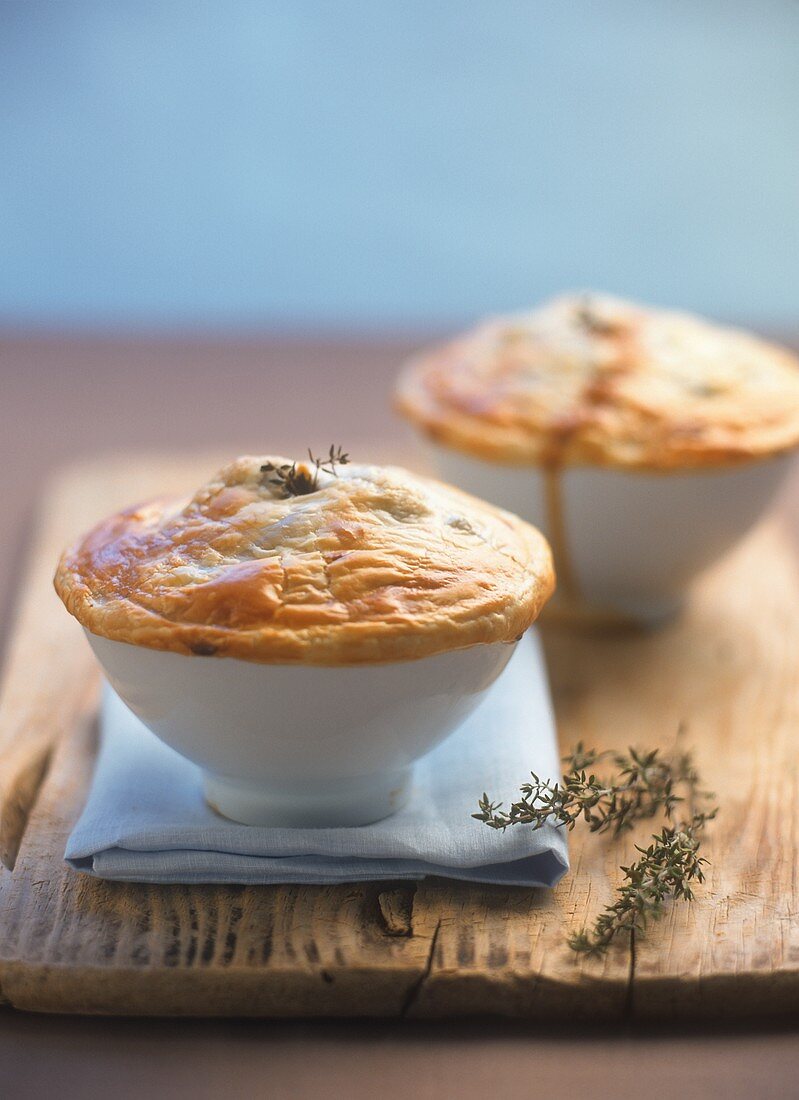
[{"x": 64, "y": 398}]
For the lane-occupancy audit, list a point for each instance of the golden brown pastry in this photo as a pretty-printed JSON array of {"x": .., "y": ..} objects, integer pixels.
[
  {"x": 589, "y": 379},
  {"x": 365, "y": 564}
]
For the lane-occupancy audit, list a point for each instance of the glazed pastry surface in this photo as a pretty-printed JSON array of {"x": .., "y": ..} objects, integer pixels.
[
  {"x": 593, "y": 380},
  {"x": 375, "y": 565}
]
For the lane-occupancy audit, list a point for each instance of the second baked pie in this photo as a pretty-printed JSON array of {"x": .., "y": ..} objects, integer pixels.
[{"x": 642, "y": 441}]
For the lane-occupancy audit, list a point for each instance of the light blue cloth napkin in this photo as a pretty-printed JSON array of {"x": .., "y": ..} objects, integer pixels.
[{"x": 146, "y": 820}]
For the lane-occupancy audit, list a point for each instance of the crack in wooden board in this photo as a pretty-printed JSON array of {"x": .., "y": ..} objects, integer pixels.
[{"x": 69, "y": 943}]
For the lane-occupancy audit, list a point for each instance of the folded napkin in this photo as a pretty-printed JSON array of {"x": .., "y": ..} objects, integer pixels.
[{"x": 146, "y": 819}]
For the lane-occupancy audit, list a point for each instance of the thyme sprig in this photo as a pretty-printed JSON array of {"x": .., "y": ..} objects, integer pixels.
[
  {"x": 665, "y": 870},
  {"x": 640, "y": 785},
  {"x": 298, "y": 479},
  {"x": 643, "y": 783},
  {"x": 589, "y": 319}
]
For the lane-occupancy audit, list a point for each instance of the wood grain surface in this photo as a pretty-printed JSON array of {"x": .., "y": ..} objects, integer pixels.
[{"x": 727, "y": 669}]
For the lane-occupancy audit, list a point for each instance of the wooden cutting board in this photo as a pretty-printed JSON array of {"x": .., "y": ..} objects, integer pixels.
[{"x": 728, "y": 669}]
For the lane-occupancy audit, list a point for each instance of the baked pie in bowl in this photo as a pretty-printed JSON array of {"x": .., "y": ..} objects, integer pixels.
[
  {"x": 305, "y": 631},
  {"x": 643, "y": 442}
]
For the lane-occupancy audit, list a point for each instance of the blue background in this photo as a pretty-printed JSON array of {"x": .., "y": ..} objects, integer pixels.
[{"x": 403, "y": 164}]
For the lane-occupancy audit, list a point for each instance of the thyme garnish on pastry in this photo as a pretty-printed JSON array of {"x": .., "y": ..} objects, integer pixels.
[
  {"x": 640, "y": 785},
  {"x": 298, "y": 479},
  {"x": 587, "y": 317}
]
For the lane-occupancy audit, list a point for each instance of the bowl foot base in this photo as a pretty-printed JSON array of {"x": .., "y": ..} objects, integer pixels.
[{"x": 345, "y": 802}]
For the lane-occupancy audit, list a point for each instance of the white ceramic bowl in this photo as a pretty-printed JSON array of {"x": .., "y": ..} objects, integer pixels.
[
  {"x": 626, "y": 545},
  {"x": 300, "y": 745}
]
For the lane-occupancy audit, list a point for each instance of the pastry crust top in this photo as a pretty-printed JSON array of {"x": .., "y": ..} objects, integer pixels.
[
  {"x": 375, "y": 565},
  {"x": 593, "y": 380}
]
